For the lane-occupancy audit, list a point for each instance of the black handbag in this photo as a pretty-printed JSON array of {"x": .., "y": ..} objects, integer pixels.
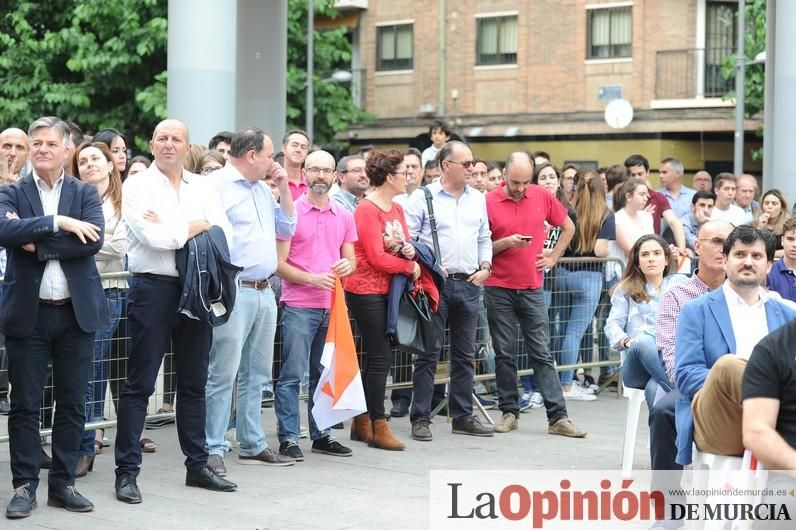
[{"x": 415, "y": 331}]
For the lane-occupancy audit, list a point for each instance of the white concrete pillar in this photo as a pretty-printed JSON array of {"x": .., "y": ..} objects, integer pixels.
[
  {"x": 781, "y": 134},
  {"x": 201, "y": 65}
]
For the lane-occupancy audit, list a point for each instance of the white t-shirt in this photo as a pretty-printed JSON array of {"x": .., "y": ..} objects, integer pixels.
[
  {"x": 634, "y": 230},
  {"x": 734, "y": 214}
]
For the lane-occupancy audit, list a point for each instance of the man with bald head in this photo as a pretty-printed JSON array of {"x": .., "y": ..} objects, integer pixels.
[
  {"x": 163, "y": 207},
  {"x": 518, "y": 211},
  {"x": 243, "y": 347},
  {"x": 466, "y": 256},
  {"x": 13, "y": 152},
  {"x": 321, "y": 248}
]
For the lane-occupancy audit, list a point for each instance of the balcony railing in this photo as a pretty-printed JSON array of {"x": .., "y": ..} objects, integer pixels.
[{"x": 691, "y": 73}]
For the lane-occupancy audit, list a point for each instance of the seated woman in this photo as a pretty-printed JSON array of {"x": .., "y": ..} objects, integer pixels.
[
  {"x": 634, "y": 306},
  {"x": 772, "y": 215}
]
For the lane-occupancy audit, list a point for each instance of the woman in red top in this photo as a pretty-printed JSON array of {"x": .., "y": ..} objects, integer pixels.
[{"x": 381, "y": 252}]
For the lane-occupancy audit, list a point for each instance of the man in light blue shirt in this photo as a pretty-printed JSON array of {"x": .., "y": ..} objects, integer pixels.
[
  {"x": 244, "y": 345},
  {"x": 466, "y": 255},
  {"x": 679, "y": 195}
]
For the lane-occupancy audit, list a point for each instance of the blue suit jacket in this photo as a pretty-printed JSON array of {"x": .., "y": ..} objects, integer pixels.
[
  {"x": 704, "y": 333},
  {"x": 20, "y": 306}
]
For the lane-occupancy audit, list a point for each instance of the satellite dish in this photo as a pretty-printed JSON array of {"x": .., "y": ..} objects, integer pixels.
[{"x": 618, "y": 113}]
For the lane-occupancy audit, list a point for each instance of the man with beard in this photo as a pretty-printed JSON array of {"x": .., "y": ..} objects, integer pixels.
[
  {"x": 353, "y": 180},
  {"x": 321, "y": 248},
  {"x": 715, "y": 337}
]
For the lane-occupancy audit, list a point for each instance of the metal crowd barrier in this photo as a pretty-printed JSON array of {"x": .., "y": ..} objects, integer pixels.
[{"x": 576, "y": 294}]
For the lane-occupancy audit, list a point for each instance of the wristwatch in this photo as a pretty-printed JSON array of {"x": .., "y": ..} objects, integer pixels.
[{"x": 486, "y": 266}]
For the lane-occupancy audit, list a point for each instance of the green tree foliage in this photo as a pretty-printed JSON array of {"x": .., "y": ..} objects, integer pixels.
[
  {"x": 334, "y": 108},
  {"x": 99, "y": 64},
  {"x": 754, "y": 43},
  {"x": 103, "y": 64}
]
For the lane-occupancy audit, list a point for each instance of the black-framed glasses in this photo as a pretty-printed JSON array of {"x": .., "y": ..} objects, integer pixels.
[
  {"x": 314, "y": 171},
  {"x": 466, "y": 164},
  {"x": 718, "y": 241},
  {"x": 355, "y": 171}
]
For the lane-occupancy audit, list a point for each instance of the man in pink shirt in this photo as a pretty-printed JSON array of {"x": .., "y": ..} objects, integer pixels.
[{"x": 322, "y": 247}]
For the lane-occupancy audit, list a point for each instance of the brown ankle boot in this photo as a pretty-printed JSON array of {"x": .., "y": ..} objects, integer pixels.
[
  {"x": 383, "y": 438},
  {"x": 361, "y": 429}
]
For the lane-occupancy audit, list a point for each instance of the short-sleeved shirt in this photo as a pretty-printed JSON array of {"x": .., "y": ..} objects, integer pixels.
[
  {"x": 514, "y": 267},
  {"x": 315, "y": 247},
  {"x": 771, "y": 373},
  {"x": 607, "y": 232},
  {"x": 782, "y": 280},
  {"x": 682, "y": 204},
  {"x": 661, "y": 204},
  {"x": 297, "y": 190}
]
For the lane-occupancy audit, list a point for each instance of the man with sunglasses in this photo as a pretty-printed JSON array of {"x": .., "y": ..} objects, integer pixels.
[{"x": 466, "y": 255}]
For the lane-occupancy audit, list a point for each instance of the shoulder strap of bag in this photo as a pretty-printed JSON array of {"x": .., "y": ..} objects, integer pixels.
[{"x": 433, "y": 222}]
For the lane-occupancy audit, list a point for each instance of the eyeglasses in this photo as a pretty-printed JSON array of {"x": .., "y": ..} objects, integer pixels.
[
  {"x": 356, "y": 170},
  {"x": 315, "y": 171},
  {"x": 467, "y": 164},
  {"x": 208, "y": 170},
  {"x": 718, "y": 241}
]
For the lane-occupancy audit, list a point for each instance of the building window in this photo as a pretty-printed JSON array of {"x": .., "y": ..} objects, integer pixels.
[
  {"x": 496, "y": 40},
  {"x": 394, "y": 47},
  {"x": 610, "y": 32},
  {"x": 720, "y": 41}
]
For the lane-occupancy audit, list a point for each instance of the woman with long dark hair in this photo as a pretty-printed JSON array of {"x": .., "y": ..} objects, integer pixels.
[
  {"x": 381, "y": 252},
  {"x": 94, "y": 164},
  {"x": 634, "y": 307}
]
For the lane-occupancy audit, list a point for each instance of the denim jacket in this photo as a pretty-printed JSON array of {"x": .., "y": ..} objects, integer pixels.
[{"x": 632, "y": 319}]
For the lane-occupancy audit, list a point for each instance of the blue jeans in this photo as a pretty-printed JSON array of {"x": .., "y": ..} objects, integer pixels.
[
  {"x": 98, "y": 382},
  {"x": 243, "y": 346},
  {"x": 304, "y": 331},
  {"x": 584, "y": 288},
  {"x": 643, "y": 366}
]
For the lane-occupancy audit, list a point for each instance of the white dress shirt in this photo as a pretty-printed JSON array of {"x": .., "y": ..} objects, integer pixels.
[
  {"x": 749, "y": 322},
  {"x": 462, "y": 226},
  {"x": 53, "y": 282},
  {"x": 151, "y": 245}
]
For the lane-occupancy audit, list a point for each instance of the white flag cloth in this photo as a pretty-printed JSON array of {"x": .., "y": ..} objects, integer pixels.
[{"x": 339, "y": 394}]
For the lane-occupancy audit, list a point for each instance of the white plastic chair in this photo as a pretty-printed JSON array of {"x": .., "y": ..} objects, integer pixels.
[
  {"x": 635, "y": 398},
  {"x": 720, "y": 466}
]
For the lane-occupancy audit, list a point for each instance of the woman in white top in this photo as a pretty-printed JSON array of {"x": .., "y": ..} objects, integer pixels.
[
  {"x": 94, "y": 164},
  {"x": 632, "y": 220}
]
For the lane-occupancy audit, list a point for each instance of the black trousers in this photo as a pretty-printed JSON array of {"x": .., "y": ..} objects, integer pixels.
[
  {"x": 663, "y": 447},
  {"x": 458, "y": 307},
  {"x": 57, "y": 339},
  {"x": 370, "y": 313},
  {"x": 153, "y": 322}
]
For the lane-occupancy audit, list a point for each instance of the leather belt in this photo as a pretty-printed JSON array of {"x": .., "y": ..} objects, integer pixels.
[
  {"x": 256, "y": 284},
  {"x": 459, "y": 276},
  {"x": 59, "y": 302},
  {"x": 153, "y": 276}
]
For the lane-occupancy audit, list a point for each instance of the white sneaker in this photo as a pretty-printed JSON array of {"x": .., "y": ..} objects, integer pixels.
[
  {"x": 586, "y": 387},
  {"x": 578, "y": 394},
  {"x": 537, "y": 401}
]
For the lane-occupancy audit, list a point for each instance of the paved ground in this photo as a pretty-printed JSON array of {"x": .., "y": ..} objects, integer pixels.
[{"x": 371, "y": 489}]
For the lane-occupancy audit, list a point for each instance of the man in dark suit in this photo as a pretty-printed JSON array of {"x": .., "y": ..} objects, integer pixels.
[{"x": 51, "y": 225}]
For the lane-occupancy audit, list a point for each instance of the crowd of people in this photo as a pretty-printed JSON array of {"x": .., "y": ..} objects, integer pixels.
[{"x": 280, "y": 229}]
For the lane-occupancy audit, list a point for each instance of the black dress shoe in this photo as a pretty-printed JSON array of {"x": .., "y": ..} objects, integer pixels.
[
  {"x": 127, "y": 489},
  {"x": 68, "y": 498},
  {"x": 208, "y": 479},
  {"x": 45, "y": 460},
  {"x": 22, "y": 503}
]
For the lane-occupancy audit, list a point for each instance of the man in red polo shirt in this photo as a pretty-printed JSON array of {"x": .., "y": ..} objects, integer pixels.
[{"x": 517, "y": 211}]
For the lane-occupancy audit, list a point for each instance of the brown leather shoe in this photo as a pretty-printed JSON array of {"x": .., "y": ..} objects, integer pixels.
[
  {"x": 85, "y": 464},
  {"x": 361, "y": 429},
  {"x": 383, "y": 438}
]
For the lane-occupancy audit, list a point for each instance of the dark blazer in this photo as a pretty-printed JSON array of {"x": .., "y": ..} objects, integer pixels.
[{"x": 19, "y": 310}]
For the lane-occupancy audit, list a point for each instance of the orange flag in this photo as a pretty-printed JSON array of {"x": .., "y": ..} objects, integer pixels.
[{"x": 339, "y": 394}]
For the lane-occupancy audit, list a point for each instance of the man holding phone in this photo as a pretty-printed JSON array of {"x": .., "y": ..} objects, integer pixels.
[{"x": 517, "y": 211}]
